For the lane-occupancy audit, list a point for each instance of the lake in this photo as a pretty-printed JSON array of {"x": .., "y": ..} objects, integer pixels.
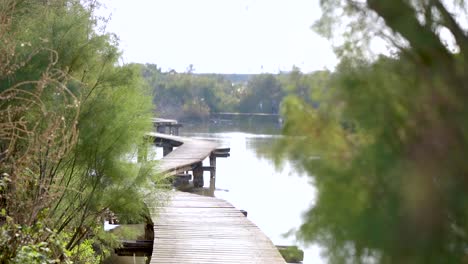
[{"x": 275, "y": 198}]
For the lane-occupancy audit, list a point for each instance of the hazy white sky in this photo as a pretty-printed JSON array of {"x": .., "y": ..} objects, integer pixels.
[{"x": 222, "y": 36}]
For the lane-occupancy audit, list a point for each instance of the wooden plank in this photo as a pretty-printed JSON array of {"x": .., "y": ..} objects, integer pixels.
[
  {"x": 199, "y": 229},
  {"x": 189, "y": 152},
  {"x": 164, "y": 121},
  {"x": 225, "y": 150},
  {"x": 220, "y": 155}
]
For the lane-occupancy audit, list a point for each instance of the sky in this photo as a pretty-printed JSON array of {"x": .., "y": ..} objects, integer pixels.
[{"x": 220, "y": 36}]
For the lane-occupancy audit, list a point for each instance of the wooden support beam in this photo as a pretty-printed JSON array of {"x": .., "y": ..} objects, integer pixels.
[
  {"x": 135, "y": 247},
  {"x": 212, "y": 173},
  {"x": 220, "y": 154},
  {"x": 209, "y": 168},
  {"x": 223, "y": 150},
  {"x": 198, "y": 175},
  {"x": 213, "y": 166}
]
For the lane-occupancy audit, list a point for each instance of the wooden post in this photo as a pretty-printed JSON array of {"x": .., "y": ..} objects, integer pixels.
[
  {"x": 213, "y": 164},
  {"x": 212, "y": 173},
  {"x": 198, "y": 175}
]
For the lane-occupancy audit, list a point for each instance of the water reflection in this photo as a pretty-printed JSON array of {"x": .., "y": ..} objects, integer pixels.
[
  {"x": 128, "y": 232},
  {"x": 274, "y": 198}
]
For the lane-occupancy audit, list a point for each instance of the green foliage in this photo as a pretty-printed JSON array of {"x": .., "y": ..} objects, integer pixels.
[
  {"x": 130, "y": 232},
  {"x": 27, "y": 244},
  {"x": 291, "y": 254},
  {"x": 195, "y": 96},
  {"x": 188, "y": 95},
  {"x": 70, "y": 124},
  {"x": 385, "y": 146},
  {"x": 85, "y": 253},
  {"x": 263, "y": 94}
]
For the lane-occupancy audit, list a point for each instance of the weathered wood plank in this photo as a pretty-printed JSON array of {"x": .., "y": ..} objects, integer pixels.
[
  {"x": 190, "y": 152},
  {"x": 199, "y": 229}
]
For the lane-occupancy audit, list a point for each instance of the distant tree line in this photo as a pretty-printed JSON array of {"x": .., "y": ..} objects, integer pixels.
[{"x": 193, "y": 96}]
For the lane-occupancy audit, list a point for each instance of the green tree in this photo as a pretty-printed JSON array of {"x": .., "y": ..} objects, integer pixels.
[
  {"x": 305, "y": 86},
  {"x": 70, "y": 121},
  {"x": 263, "y": 94},
  {"x": 386, "y": 145},
  {"x": 188, "y": 95}
]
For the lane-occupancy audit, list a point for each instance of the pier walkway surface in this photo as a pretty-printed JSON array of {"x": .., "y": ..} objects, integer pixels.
[
  {"x": 200, "y": 229},
  {"x": 188, "y": 152}
]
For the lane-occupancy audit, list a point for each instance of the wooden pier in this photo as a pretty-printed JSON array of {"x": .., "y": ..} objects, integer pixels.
[
  {"x": 182, "y": 154},
  {"x": 189, "y": 152},
  {"x": 166, "y": 126},
  {"x": 200, "y": 229}
]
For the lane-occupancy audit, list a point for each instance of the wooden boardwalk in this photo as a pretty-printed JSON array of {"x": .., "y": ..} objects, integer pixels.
[
  {"x": 164, "y": 121},
  {"x": 200, "y": 229},
  {"x": 188, "y": 153},
  {"x": 166, "y": 126}
]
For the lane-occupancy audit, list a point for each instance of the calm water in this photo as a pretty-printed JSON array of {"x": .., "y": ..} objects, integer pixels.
[{"x": 275, "y": 199}]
